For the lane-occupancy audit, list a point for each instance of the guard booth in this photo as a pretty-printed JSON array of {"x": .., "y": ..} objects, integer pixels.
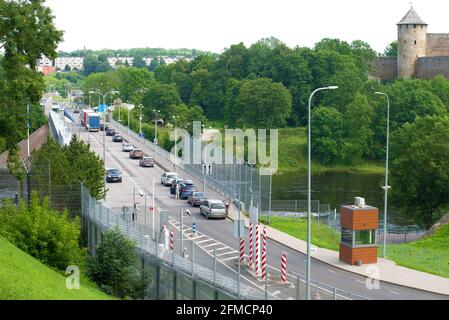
[{"x": 359, "y": 223}]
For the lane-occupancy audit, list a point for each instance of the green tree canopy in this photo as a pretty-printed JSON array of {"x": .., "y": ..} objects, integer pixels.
[
  {"x": 420, "y": 169},
  {"x": 160, "y": 97}
]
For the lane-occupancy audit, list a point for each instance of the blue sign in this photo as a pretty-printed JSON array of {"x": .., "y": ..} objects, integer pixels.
[
  {"x": 102, "y": 107},
  {"x": 141, "y": 135}
]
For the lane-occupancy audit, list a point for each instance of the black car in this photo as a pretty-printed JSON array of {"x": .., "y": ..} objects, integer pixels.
[
  {"x": 110, "y": 132},
  {"x": 113, "y": 175},
  {"x": 197, "y": 198},
  {"x": 102, "y": 126},
  {"x": 117, "y": 138},
  {"x": 175, "y": 181}
]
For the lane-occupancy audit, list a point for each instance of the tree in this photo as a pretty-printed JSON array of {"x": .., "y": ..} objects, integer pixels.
[
  {"x": 67, "y": 68},
  {"x": 134, "y": 82},
  {"x": 420, "y": 168},
  {"x": 327, "y": 133},
  {"x": 27, "y": 32},
  {"x": 153, "y": 64},
  {"x": 187, "y": 115},
  {"x": 103, "y": 82},
  {"x": 358, "y": 119},
  {"x": 392, "y": 49},
  {"x": 113, "y": 267},
  {"x": 92, "y": 64},
  {"x": 263, "y": 104},
  {"x": 160, "y": 96},
  {"x": 138, "y": 62}
]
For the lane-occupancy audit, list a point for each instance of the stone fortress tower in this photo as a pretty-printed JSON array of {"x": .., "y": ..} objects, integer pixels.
[
  {"x": 420, "y": 54},
  {"x": 412, "y": 36}
]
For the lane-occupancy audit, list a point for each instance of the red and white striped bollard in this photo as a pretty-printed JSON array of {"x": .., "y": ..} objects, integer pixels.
[
  {"x": 257, "y": 250},
  {"x": 251, "y": 247},
  {"x": 242, "y": 251},
  {"x": 264, "y": 253},
  {"x": 172, "y": 240},
  {"x": 284, "y": 268}
]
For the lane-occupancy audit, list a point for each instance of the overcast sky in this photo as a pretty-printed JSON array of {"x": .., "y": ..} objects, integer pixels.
[{"x": 216, "y": 24}]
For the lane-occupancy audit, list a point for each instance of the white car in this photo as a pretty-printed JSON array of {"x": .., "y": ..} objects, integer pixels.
[
  {"x": 167, "y": 178},
  {"x": 127, "y": 147}
]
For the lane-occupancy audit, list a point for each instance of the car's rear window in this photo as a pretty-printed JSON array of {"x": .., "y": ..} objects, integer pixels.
[
  {"x": 199, "y": 194},
  {"x": 189, "y": 187},
  {"x": 217, "y": 206}
]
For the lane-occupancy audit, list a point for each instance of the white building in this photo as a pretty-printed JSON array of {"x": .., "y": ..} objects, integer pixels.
[
  {"x": 44, "y": 62},
  {"x": 72, "y": 62},
  {"x": 113, "y": 61}
]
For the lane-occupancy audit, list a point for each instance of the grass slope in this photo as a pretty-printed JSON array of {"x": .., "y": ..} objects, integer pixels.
[{"x": 24, "y": 278}]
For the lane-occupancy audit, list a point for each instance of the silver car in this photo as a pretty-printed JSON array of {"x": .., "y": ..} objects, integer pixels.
[
  {"x": 213, "y": 209},
  {"x": 168, "y": 177},
  {"x": 127, "y": 147}
]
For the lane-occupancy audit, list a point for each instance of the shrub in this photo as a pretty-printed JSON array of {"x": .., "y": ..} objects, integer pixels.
[{"x": 49, "y": 236}]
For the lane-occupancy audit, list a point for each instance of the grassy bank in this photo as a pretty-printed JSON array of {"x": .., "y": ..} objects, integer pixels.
[
  {"x": 429, "y": 255},
  {"x": 293, "y": 156},
  {"x": 24, "y": 278},
  {"x": 322, "y": 235}
]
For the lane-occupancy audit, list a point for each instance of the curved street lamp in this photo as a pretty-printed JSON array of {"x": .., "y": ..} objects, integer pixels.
[
  {"x": 309, "y": 190},
  {"x": 386, "y": 187}
]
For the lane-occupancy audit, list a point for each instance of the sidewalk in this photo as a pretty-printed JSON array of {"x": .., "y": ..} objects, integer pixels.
[{"x": 388, "y": 270}]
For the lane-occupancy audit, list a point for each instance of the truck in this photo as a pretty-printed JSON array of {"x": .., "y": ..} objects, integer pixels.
[
  {"x": 83, "y": 119},
  {"x": 92, "y": 121}
]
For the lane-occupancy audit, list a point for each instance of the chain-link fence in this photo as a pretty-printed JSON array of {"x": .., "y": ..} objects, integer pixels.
[{"x": 174, "y": 276}]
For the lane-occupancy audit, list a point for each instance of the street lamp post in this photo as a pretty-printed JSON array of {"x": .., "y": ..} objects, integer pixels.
[
  {"x": 309, "y": 190},
  {"x": 386, "y": 187},
  {"x": 104, "y": 125},
  {"x": 156, "y": 113},
  {"x": 175, "y": 118},
  {"x": 140, "y": 124}
]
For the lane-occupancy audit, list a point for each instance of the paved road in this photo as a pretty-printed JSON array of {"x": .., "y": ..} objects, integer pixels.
[{"x": 222, "y": 231}]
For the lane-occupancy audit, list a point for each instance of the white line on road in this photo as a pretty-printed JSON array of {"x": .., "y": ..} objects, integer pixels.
[
  {"x": 331, "y": 271},
  {"x": 360, "y": 281},
  {"x": 231, "y": 258},
  {"x": 394, "y": 292}
]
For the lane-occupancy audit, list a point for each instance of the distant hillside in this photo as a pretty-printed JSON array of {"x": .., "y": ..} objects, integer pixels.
[
  {"x": 143, "y": 52},
  {"x": 24, "y": 278}
]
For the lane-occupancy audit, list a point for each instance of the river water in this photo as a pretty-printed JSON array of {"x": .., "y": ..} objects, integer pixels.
[{"x": 337, "y": 189}]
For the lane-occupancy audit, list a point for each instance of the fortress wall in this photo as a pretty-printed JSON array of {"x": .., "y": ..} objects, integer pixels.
[
  {"x": 429, "y": 67},
  {"x": 437, "y": 44},
  {"x": 386, "y": 68}
]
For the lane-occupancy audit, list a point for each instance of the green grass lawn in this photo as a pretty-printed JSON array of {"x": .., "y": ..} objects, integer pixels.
[
  {"x": 24, "y": 278},
  {"x": 322, "y": 235},
  {"x": 428, "y": 255}
]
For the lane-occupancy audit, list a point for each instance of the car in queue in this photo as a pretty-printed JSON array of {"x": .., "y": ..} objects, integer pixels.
[
  {"x": 113, "y": 175},
  {"x": 175, "y": 182},
  {"x": 117, "y": 138},
  {"x": 136, "y": 154},
  {"x": 110, "y": 132},
  {"x": 127, "y": 147},
  {"x": 197, "y": 198},
  {"x": 167, "y": 178},
  {"x": 187, "y": 187},
  {"x": 213, "y": 208},
  {"x": 146, "y": 162}
]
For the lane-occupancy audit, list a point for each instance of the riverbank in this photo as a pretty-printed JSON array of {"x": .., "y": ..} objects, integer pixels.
[{"x": 292, "y": 156}]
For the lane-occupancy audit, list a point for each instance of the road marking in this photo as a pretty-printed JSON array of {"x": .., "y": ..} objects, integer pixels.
[
  {"x": 331, "y": 271},
  {"x": 226, "y": 253},
  {"x": 276, "y": 293},
  {"x": 360, "y": 281},
  {"x": 231, "y": 258},
  {"x": 211, "y": 245},
  {"x": 218, "y": 249},
  {"x": 394, "y": 292},
  {"x": 203, "y": 241}
]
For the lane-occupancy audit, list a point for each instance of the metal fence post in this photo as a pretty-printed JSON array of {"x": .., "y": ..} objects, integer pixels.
[
  {"x": 335, "y": 293},
  {"x": 298, "y": 289}
]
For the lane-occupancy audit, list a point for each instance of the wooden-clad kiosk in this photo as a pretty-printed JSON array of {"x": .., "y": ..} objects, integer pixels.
[{"x": 359, "y": 223}]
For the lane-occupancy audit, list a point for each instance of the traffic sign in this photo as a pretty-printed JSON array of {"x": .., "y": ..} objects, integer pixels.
[
  {"x": 141, "y": 135},
  {"x": 239, "y": 228},
  {"x": 207, "y": 169},
  {"x": 194, "y": 226}
]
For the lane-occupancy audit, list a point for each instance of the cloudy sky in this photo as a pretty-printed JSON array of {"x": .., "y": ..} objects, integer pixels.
[{"x": 216, "y": 24}]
